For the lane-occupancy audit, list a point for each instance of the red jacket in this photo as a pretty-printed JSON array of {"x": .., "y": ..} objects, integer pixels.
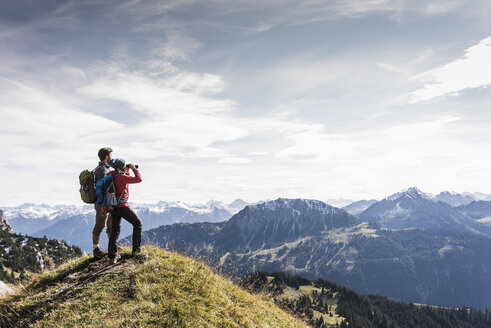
[{"x": 121, "y": 182}]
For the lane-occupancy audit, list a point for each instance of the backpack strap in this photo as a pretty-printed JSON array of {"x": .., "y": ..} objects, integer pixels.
[
  {"x": 126, "y": 185},
  {"x": 124, "y": 190}
]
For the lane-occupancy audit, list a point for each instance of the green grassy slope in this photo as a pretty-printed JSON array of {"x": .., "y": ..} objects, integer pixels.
[{"x": 155, "y": 289}]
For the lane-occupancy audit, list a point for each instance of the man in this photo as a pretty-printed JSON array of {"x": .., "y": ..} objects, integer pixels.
[{"x": 101, "y": 220}]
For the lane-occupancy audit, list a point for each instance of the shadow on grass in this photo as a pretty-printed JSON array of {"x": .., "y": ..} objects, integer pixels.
[
  {"x": 15, "y": 314},
  {"x": 51, "y": 280},
  {"x": 33, "y": 303}
]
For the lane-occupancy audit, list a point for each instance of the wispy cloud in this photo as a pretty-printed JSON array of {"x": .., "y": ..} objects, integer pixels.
[{"x": 473, "y": 70}]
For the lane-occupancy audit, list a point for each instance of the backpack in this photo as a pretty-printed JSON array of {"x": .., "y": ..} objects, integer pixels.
[
  {"x": 106, "y": 193},
  {"x": 87, "y": 186}
]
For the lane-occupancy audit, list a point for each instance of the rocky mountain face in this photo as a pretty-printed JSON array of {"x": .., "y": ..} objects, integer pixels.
[
  {"x": 312, "y": 239},
  {"x": 281, "y": 221},
  {"x": 414, "y": 209},
  {"x": 256, "y": 227}
]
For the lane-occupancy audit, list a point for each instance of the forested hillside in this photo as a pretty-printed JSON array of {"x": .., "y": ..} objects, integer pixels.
[
  {"x": 326, "y": 304},
  {"x": 22, "y": 254}
]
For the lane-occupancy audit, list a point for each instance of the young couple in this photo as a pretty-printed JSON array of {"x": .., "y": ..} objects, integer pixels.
[{"x": 122, "y": 179}]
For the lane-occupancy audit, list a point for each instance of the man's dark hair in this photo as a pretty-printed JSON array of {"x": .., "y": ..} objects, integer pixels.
[{"x": 103, "y": 152}]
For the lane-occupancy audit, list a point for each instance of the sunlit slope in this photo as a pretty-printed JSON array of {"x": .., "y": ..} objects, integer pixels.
[{"x": 156, "y": 289}]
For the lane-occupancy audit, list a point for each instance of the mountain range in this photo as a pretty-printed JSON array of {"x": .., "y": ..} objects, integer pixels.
[
  {"x": 410, "y": 246},
  {"x": 478, "y": 210},
  {"x": 414, "y": 209},
  {"x": 453, "y": 199},
  {"x": 74, "y": 224},
  {"x": 435, "y": 264}
]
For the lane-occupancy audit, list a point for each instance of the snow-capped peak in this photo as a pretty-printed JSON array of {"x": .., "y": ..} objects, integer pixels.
[
  {"x": 44, "y": 211},
  {"x": 412, "y": 192},
  {"x": 304, "y": 204},
  {"x": 208, "y": 207}
]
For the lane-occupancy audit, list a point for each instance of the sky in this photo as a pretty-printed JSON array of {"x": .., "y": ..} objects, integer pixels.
[{"x": 246, "y": 99}]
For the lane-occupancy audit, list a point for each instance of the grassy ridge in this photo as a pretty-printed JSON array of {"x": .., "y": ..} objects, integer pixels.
[{"x": 156, "y": 289}]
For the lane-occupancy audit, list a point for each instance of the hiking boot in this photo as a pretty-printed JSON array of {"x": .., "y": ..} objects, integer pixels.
[
  {"x": 98, "y": 253},
  {"x": 115, "y": 259}
]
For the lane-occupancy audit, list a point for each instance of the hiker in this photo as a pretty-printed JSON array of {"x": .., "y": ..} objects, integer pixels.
[
  {"x": 101, "y": 219},
  {"x": 122, "y": 178}
]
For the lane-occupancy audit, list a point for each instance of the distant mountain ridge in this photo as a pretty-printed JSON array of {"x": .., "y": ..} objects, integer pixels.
[
  {"x": 29, "y": 218},
  {"x": 478, "y": 195},
  {"x": 412, "y": 208},
  {"x": 478, "y": 210},
  {"x": 312, "y": 239},
  {"x": 452, "y": 198},
  {"x": 357, "y": 207},
  {"x": 74, "y": 224}
]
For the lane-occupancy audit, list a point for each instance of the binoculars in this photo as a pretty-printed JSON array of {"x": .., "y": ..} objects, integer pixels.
[{"x": 136, "y": 166}]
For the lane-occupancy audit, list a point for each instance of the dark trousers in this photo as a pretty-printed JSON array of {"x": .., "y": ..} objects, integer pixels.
[{"x": 129, "y": 215}]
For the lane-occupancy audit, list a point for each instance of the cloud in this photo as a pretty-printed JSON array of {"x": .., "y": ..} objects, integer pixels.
[
  {"x": 312, "y": 144},
  {"x": 179, "y": 46},
  {"x": 419, "y": 131},
  {"x": 200, "y": 84},
  {"x": 234, "y": 160},
  {"x": 177, "y": 114},
  {"x": 471, "y": 71},
  {"x": 196, "y": 91},
  {"x": 177, "y": 94},
  {"x": 37, "y": 128}
]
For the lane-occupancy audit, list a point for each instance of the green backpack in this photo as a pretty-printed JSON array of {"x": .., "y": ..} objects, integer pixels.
[{"x": 87, "y": 186}]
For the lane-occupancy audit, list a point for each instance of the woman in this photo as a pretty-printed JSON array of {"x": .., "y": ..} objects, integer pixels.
[{"x": 123, "y": 210}]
